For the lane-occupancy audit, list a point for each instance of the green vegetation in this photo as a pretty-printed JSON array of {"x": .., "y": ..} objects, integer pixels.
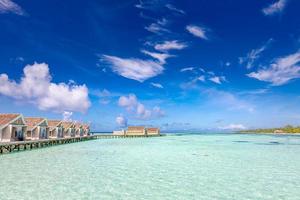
[{"x": 287, "y": 129}]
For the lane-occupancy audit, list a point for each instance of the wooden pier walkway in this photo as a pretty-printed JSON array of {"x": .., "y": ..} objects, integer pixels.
[{"x": 8, "y": 147}]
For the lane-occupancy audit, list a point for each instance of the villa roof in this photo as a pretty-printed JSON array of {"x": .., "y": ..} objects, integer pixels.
[
  {"x": 86, "y": 126},
  {"x": 67, "y": 124},
  {"x": 152, "y": 129},
  {"x": 78, "y": 125},
  {"x": 7, "y": 118},
  {"x": 131, "y": 128},
  {"x": 52, "y": 122},
  {"x": 32, "y": 122}
]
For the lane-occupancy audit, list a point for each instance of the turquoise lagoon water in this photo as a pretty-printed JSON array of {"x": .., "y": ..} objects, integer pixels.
[{"x": 203, "y": 166}]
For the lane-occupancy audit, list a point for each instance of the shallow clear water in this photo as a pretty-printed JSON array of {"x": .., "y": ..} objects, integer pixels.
[{"x": 204, "y": 166}]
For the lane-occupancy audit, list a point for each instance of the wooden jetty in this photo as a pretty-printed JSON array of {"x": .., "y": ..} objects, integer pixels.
[{"x": 8, "y": 147}]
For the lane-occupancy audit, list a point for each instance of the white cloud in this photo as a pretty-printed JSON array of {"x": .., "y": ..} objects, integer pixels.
[
  {"x": 201, "y": 78},
  {"x": 170, "y": 45},
  {"x": 161, "y": 57},
  {"x": 197, "y": 31},
  {"x": 217, "y": 79},
  {"x": 121, "y": 121},
  {"x": 67, "y": 116},
  {"x": 187, "y": 69},
  {"x": 275, "y": 8},
  {"x": 8, "y": 6},
  {"x": 134, "y": 68},
  {"x": 36, "y": 87},
  {"x": 253, "y": 55},
  {"x": 158, "y": 85},
  {"x": 173, "y": 8},
  {"x": 130, "y": 102},
  {"x": 233, "y": 127},
  {"x": 201, "y": 75},
  {"x": 152, "y": 5},
  {"x": 132, "y": 105},
  {"x": 156, "y": 28},
  {"x": 281, "y": 71}
]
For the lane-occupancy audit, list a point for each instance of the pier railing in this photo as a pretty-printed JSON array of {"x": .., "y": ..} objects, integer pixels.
[{"x": 8, "y": 147}]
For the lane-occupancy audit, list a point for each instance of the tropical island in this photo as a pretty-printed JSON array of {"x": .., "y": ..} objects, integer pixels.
[{"x": 289, "y": 129}]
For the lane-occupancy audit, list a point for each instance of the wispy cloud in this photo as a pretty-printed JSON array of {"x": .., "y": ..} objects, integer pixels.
[
  {"x": 197, "y": 31},
  {"x": 157, "y": 85},
  {"x": 187, "y": 69},
  {"x": 275, "y": 8},
  {"x": 173, "y": 8},
  {"x": 132, "y": 105},
  {"x": 8, "y": 6},
  {"x": 150, "y": 4},
  {"x": 36, "y": 87},
  {"x": 281, "y": 71},
  {"x": 228, "y": 100},
  {"x": 158, "y": 27},
  {"x": 200, "y": 75},
  {"x": 250, "y": 59},
  {"x": 217, "y": 79},
  {"x": 155, "y": 28},
  {"x": 161, "y": 57},
  {"x": 170, "y": 45},
  {"x": 134, "y": 68}
]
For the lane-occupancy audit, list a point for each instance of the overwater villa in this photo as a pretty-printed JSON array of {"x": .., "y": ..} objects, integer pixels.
[
  {"x": 153, "y": 131},
  {"x": 121, "y": 132},
  {"x": 136, "y": 130},
  {"x": 56, "y": 129},
  {"x": 78, "y": 130},
  {"x": 69, "y": 129},
  {"x": 12, "y": 127},
  {"x": 86, "y": 129},
  {"x": 37, "y": 128}
]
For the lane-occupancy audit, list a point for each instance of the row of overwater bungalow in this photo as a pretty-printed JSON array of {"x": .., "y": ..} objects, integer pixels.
[
  {"x": 138, "y": 131},
  {"x": 15, "y": 127}
]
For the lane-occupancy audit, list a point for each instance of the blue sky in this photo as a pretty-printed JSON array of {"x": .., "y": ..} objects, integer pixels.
[{"x": 180, "y": 65}]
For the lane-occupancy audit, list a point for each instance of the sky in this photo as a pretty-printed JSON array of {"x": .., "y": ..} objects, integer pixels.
[{"x": 179, "y": 65}]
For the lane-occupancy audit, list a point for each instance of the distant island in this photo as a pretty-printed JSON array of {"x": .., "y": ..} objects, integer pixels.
[{"x": 287, "y": 129}]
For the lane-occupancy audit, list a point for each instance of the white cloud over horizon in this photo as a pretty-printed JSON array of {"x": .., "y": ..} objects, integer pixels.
[
  {"x": 132, "y": 105},
  {"x": 281, "y": 71},
  {"x": 8, "y": 6},
  {"x": 197, "y": 31},
  {"x": 275, "y": 8},
  {"x": 121, "y": 121},
  {"x": 134, "y": 68},
  {"x": 36, "y": 88},
  {"x": 233, "y": 127}
]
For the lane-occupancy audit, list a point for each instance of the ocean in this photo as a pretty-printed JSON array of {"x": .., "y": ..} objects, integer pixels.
[{"x": 176, "y": 166}]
